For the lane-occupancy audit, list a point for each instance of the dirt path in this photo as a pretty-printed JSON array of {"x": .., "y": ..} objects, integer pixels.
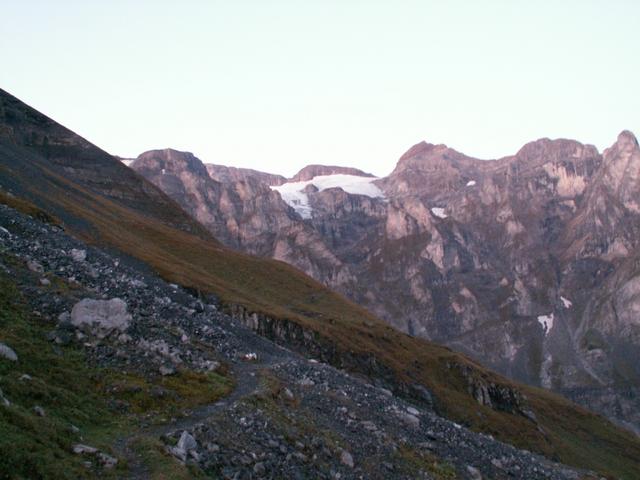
[{"x": 247, "y": 383}]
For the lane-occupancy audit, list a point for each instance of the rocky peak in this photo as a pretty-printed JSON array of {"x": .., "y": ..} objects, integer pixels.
[
  {"x": 311, "y": 171},
  {"x": 427, "y": 156},
  {"x": 431, "y": 170},
  {"x": 627, "y": 139},
  {"x": 621, "y": 170},
  {"x": 546, "y": 150},
  {"x": 224, "y": 174},
  {"x": 421, "y": 148},
  {"x": 170, "y": 160}
]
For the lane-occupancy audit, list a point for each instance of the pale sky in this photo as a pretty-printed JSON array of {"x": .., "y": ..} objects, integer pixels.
[{"x": 275, "y": 85}]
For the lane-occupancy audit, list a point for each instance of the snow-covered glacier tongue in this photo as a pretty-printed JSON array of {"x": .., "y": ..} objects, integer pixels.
[{"x": 293, "y": 193}]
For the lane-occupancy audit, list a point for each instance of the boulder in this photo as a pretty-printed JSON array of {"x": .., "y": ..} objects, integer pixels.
[
  {"x": 185, "y": 445},
  {"x": 101, "y": 316},
  {"x": 7, "y": 353},
  {"x": 107, "y": 461},
  {"x": 408, "y": 419},
  {"x": 84, "y": 449},
  {"x": 346, "y": 459},
  {"x": 78, "y": 255},
  {"x": 187, "y": 442},
  {"x": 35, "y": 266},
  {"x": 166, "y": 370},
  {"x": 474, "y": 473}
]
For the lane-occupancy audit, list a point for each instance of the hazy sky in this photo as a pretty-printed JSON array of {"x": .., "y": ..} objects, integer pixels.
[{"x": 275, "y": 85}]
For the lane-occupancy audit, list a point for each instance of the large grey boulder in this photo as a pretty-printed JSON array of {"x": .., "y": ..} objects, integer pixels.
[
  {"x": 187, "y": 444},
  {"x": 78, "y": 255},
  {"x": 346, "y": 459},
  {"x": 101, "y": 316},
  {"x": 8, "y": 353}
]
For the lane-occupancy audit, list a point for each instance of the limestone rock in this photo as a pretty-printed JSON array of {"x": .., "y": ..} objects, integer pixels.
[
  {"x": 8, "y": 353},
  {"x": 78, "y": 255},
  {"x": 101, "y": 316}
]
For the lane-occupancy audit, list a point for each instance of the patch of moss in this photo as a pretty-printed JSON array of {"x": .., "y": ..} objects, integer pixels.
[
  {"x": 160, "y": 465},
  {"x": 414, "y": 461}
]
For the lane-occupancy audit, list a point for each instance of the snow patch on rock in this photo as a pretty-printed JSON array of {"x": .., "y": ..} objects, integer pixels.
[
  {"x": 439, "y": 212},
  {"x": 546, "y": 321},
  {"x": 293, "y": 192},
  {"x": 471, "y": 183},
  {"x": 566, "y": 302}
]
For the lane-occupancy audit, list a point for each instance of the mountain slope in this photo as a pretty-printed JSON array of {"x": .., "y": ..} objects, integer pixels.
[
  {"x": 511, "y": 261},
  {"x": 103, "y": 202}
]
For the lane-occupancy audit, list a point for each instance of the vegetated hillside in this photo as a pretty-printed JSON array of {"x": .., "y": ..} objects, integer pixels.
[
  {"x": 141, "y": 387},
  {"x": 103, "y": 202}
]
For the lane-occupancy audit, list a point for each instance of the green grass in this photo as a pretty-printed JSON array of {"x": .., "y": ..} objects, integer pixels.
[
  {"x": 160, "y": 465},
  {"x": 413, "y": 461},
  {"x": 73, "y": 393},
  {"x": 32, "y": 446}
]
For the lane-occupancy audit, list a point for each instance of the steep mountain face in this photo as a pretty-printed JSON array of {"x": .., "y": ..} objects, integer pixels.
[
  {"x": 525, "y": 263},
  {"x": 225, "y": 174},
  {"x": 239, "y": 208}
]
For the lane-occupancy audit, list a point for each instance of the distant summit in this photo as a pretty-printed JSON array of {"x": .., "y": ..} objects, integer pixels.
[{"x": 311, "y": 171}]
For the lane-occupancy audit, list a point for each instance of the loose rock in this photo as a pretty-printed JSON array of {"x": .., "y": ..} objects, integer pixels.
[{"x": 8, "y": 353}]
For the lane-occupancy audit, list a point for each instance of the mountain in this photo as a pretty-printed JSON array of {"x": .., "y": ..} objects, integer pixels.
[
  {"x": 232, "y": 174},
  {"x": 524, "y": 263},
  {"x": 178, "y": 301}
]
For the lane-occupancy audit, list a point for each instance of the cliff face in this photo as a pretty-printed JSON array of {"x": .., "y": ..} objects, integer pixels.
[{"x": 527, "y": 263}]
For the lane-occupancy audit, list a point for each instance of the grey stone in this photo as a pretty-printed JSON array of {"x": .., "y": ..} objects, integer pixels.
[
  {"x": 79, "y": 449},
  {"x": 409, "y": 419},
  {"x": 8, "y": 353},
  {"x": 35, "y": 266},
  {"x": 78, "y": 255},
  {"x": 474, "y": 473},
  {"x": 346, "y": 459},
  {"x": 103, "y": 316},
  {"x": 166, "y": 370},
  {"x": 287, "y": 394},
  {"x": 413, "y": 411},
  {"x": 39, "y": 411},
  {"x": 307, "y": 382},
  {"x": 187, "y": 442},
  {"x": 107, "y": 461}
]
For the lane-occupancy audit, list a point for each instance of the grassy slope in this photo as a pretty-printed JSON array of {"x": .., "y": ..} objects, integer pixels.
[
  {"x": 72, "y": 393},
  {"x": 192, "y": 258}
]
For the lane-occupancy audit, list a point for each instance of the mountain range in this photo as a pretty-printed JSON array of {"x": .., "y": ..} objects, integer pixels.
[{"x": 524, "y": 265}]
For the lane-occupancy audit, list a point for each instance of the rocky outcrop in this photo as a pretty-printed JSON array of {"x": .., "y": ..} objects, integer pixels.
[
  {"x": 311, "y": 171},
  {"x": 225, "y": 174}
]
